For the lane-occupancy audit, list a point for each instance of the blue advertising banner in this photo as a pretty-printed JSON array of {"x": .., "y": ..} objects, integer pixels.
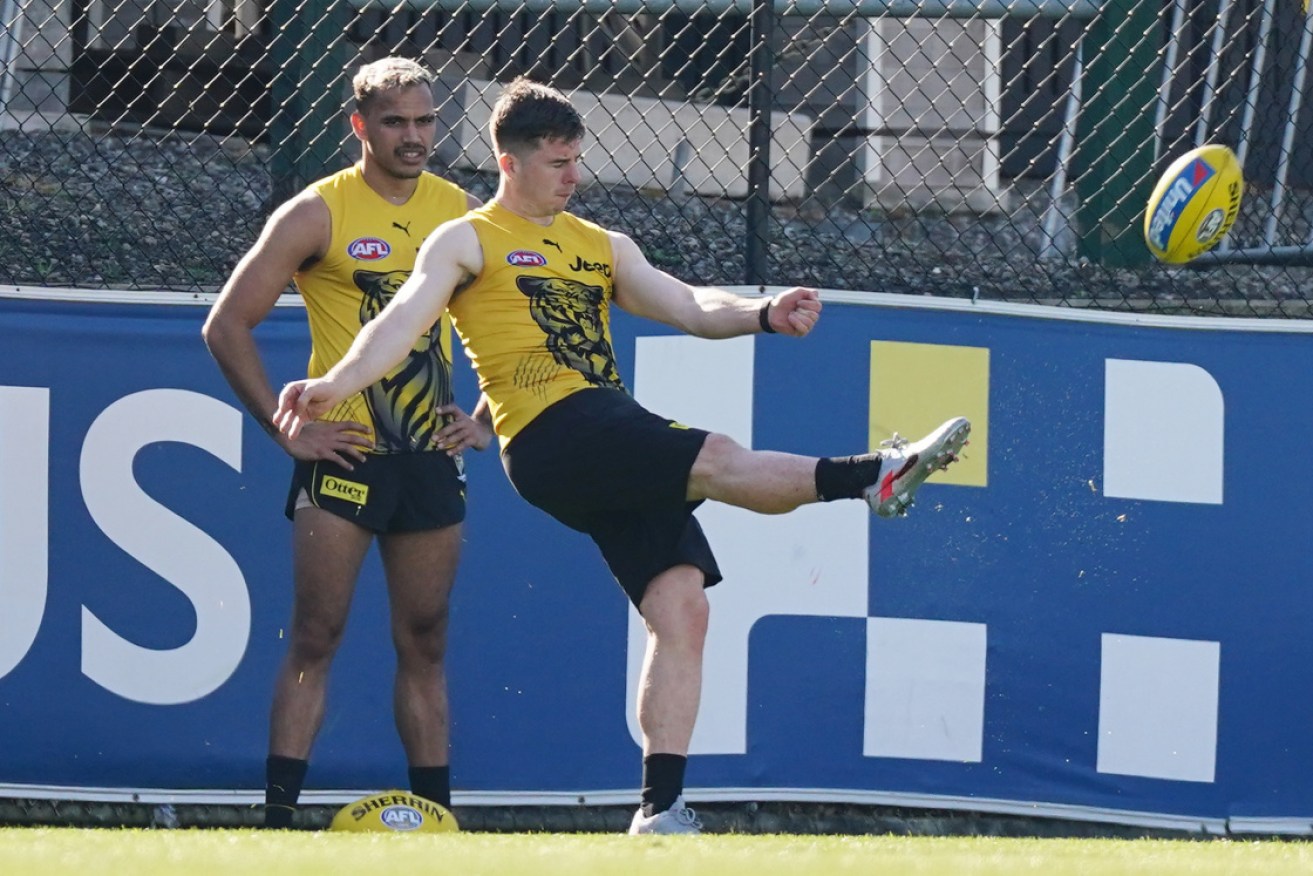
[{"x": 1101, "y": 612}]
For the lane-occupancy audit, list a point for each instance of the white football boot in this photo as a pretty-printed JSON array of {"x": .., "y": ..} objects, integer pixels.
[
  {"x": 906, "y": 466},
  {"x": 677, "y": 819}
]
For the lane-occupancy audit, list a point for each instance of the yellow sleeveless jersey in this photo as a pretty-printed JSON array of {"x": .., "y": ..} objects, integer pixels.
[
  {"x": 371, "y": 254},
  {"x": 536, "y": 322}
]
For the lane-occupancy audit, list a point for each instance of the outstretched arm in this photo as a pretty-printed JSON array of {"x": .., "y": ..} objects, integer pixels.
[
  {"x": 705, "y": 311},
  {"x": 447, "y": 257}
]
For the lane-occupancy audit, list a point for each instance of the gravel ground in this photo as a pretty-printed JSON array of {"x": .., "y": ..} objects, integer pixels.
[{"x": 130, "y": 210}]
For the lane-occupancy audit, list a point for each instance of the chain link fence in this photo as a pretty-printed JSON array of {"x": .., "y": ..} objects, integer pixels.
[{"x": 992, "y": 150}]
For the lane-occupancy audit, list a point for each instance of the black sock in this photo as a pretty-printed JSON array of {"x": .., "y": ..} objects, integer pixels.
[
  {"x": 844, "y": 477},
  {"x": 432, "y": 783},
  {"x": 282, "y": 786},
  {"x": 663, "y": 781}
]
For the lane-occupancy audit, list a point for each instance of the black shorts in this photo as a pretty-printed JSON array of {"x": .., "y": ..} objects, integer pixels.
[
  {"x": 388, "y": 492},
  {"x": 602, "y": 464}
]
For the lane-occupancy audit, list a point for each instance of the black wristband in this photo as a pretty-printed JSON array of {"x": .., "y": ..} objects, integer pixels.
[{"x": 763, "y": 317}]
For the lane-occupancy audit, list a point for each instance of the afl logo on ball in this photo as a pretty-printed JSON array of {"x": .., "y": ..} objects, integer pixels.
[
  {"x": 1211, "y": 225},
  {"x": 402, "y": 818},
  {"x": 368, "y": 249},
  {"x": 526, "y": 258}
]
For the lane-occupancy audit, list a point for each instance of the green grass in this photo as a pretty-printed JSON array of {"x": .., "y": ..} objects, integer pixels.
[{"x": 56, "y": 851}]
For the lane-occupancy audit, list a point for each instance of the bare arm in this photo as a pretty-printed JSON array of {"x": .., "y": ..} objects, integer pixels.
[
  {"x": 296, "y": 235},
  {"x": 704, "y": 311},
  {"x": 446, "y": 259}
]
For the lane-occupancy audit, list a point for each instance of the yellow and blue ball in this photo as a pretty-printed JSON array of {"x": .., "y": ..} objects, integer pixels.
[{"x": 1194, "y": 204}]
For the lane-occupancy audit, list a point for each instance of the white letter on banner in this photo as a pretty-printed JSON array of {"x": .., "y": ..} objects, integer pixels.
[
  {"x": 1149, "y": 409},
  {"x": 810, "y": 562},
  {"x": 167, "y": 545},
  {"x": 24, "y": 519}
]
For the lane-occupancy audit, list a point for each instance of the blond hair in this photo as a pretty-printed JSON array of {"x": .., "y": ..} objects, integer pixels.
[{"x": 387, "y": 74}]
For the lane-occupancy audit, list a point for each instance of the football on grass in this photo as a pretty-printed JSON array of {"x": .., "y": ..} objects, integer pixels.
[
  {"x": 1194, "y": 204},
  {"x": 394, "y": 812}
]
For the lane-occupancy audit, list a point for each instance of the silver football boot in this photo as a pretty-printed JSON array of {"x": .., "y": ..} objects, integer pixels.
[{"x": 906, "y": 466}]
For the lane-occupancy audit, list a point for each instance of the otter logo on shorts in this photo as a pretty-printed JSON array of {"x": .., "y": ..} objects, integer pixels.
[{"x": 343, "y": 489}]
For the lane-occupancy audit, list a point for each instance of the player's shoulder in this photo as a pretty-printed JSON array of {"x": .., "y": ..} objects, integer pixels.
[
  {"x": 318, "y": 199},
  {"x": 439, "y": 187},
  {"x": 429, "y": 178},
  {"x": 618, "y": 240},
  {"x": 590, "y": 230},
  {"x": 305, "y": 208},
  {"x": 457, "y": 234},
  {"x": 489, "y": 216},
  {"x": 586, "y": 225},
  {"x": 342, "y": 180}
]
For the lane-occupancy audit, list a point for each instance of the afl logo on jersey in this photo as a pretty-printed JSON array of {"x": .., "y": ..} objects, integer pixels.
[
  {"x": 368, "y": 249},
  {"x": 526, "y": 258}
]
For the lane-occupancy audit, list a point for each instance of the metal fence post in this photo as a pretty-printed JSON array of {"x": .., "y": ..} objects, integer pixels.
[
  {"x": 1115, "y": 131},
  {"x": 761, "y": 96},
  {"x": 11, "y": 35},
  {"x": 309, "y": 57}
]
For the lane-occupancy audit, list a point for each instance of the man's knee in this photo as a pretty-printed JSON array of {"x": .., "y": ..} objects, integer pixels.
[
  {"x": 316, "y": 639},
  {"x": 716, "y": 455},
  {"x": 421, "y": 638},
  {"x": 676, "y": 605}
]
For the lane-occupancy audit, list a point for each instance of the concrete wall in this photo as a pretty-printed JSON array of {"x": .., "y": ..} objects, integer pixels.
[{"x": 657, "y": 144}]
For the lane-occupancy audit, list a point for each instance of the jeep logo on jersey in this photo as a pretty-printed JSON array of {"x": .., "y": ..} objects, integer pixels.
[
  {"x": 526, "y": 258},
  {"x": 368, "y": 249},
  {"x": 582, "y": 265}
]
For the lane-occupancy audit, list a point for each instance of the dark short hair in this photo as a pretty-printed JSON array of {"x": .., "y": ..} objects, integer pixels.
[
  {"x": 387, "y": 74},
  {"x": 529, "y": 112}
]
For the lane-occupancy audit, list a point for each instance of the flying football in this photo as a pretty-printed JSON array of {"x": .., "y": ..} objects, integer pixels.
[
  {"x": 1194, "y": 204},
  {"x": 394, "y": 812}
]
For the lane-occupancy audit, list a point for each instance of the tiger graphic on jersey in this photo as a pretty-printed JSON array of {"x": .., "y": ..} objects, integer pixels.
[
  {"x": 570, "y": 313},
  {"x": 402, "y": 402}
]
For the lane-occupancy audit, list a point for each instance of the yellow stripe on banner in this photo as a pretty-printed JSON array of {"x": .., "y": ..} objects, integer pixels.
[{"x": 915, "y": 387}]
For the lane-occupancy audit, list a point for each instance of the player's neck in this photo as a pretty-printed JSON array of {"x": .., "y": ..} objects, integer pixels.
[
  {"x": 526, "y": 210},
  {"x": 393, "y": 189}
]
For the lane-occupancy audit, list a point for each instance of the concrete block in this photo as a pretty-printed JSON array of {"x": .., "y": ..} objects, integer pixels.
[
  {"x": 931, "y": 76},
  {"x": 947, "y": 173},
  {"x": 43, "y": 35},
  {"x": 38, "y": 90},
  {"x": 657, "y": 144},
  {"x": 819, "y": 68}
]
